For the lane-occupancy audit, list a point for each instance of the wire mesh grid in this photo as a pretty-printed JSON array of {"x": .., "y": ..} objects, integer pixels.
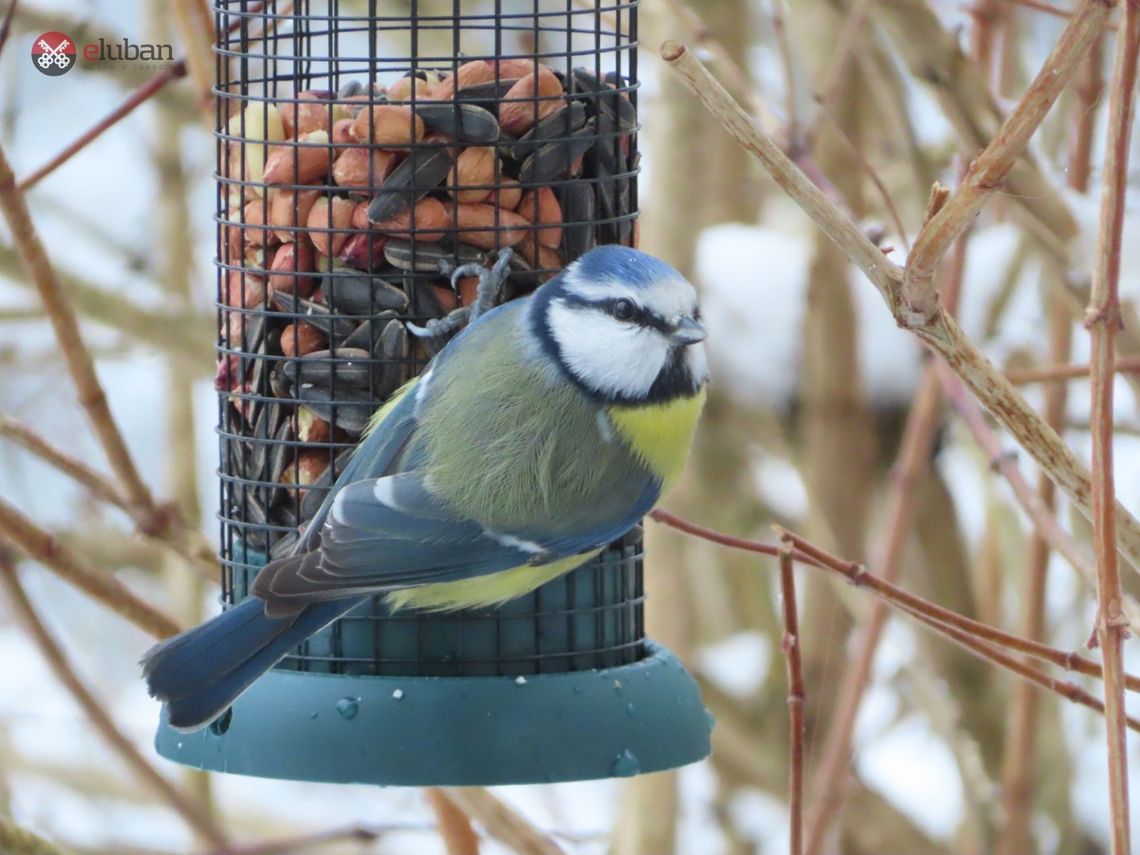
[{"x": 360, "y": 157}]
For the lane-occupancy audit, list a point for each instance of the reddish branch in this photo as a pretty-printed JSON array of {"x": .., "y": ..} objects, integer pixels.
[
  {"x": 43, "y": 547},
  {"x": 173, "y": 72},
  {"x": 189, "y": 809},
  {"x": 791, "y": 648},
  {"x": 811, "y": 555},
  {"x": 1103, "y": 320},
  {"x": 1068, "y": 371}
]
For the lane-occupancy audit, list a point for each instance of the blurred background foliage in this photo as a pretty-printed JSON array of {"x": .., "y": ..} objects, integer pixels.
[{"x": 823, "y": 417}]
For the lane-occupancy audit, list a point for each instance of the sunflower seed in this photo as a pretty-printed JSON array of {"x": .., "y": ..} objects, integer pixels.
[
  {"x": 280, "y": 453},
  {"x": 427, "y": 257},
  {"x": 356, "y": 294},
  {"x": 351, "y": 411},
  {"x": 392, "y": 350},
  {"x": 577, "y": 200},
  {"x": 348, "y": 368},
  {"x": 606, "y": 99},
  {"x": 418, "y": 174},
  {"x": 555, "y": 158},
  {"x": 557, "y": 125},
  {"x": 279, "y": 383},
  {"x": 462, "y": 122},
  {"x": 486, "y": 95},
  {"x": 367, "y": 333},
  {"x": 335, "y": 327}
]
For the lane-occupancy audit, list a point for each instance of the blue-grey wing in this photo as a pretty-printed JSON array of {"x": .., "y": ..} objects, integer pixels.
[
  {"x": 382, "y": 451},
  {"x": 389, "y": 533}
]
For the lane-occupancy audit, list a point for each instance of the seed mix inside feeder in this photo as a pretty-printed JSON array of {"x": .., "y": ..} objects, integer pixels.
[{"x": 344, "y": 216}]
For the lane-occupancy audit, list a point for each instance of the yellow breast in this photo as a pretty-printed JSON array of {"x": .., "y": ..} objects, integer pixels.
[{"x": 660, "y": 434}]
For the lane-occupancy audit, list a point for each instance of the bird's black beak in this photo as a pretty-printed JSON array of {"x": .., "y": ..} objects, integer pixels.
[{"x": 687, "y": 331}]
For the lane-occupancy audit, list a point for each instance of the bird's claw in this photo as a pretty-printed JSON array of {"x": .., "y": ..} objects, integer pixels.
[{"x": 439, "y": 330}]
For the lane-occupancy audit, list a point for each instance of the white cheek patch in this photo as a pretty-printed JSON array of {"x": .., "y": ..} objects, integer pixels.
[{"x": 611, "y": 357}]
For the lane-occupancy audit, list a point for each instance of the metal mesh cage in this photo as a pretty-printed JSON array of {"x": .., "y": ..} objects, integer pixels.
[{"x": 362, "y": 152}]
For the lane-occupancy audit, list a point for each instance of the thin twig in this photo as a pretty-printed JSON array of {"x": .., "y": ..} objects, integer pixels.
[
  {"x": 48, "y": 550},
  {"x": 926, "y": 613},
  {"x": 736, "y": 78},
  {"x": 791, "y": 648},
  {"x": 96, "y": 712},
  {"x": 988, "y": 171},
  {"x": 912, "y": 461},
  {"x": 502, "y": 822},
  {"x": 99, "y": 486},
  {"x": 454, "y": 825},
  {"x": 978, "y": 638},
  {"x": 136, "y": 99},
  {"x": 1020, "y": 751},
  {"x": 185, "y": 540},
  {"x": 1067, "y": 371},
  {"x": 785, "y": 48},
  {"x": 1047, "y": 8},
  {"x": 841, "y": 57},
  {"x": 6, "y": 26},
  {"x": 898, "y": 597},
  {"x": 1044, "y": 521},
  {"x": 940, "y": 332},
  {"x": 868, "y": 168},
  {"x": 1102, "y": 320},
  {"x": 932, "y": 53},
  {"x": 884, "y": 273},
  {"x": 62, "y": 315}
]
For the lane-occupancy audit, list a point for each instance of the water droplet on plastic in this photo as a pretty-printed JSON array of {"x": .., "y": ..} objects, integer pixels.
[
  {"x": 625, "y": 765},
  {"x": 313, "y": 715},
  {"x": 629, "y": 710},
  {"x": 398, "y": 694},
  {"x": 617, "y": 685},
  {"x": 577, "y": 690},
  {"x": 180, "y": 745},
  {"x": 520, "y": 680},
  {"x": 347, "y": 707}
]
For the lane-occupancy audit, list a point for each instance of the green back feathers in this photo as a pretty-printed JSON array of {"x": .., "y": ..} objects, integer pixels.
[{"x": 507, "y": 442}]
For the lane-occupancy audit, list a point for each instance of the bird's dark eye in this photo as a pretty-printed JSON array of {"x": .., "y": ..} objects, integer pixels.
[{"x": 623, "y": 310}]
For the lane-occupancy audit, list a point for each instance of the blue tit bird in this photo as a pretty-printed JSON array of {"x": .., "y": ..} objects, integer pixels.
[{"x": 542, "y": 432}]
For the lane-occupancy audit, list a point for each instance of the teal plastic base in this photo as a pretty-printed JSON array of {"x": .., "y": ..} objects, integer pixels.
[{"x": 456, "y": 731}]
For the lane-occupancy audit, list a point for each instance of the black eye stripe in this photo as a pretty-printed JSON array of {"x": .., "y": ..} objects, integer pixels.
[{"x": 641, "y": 316}]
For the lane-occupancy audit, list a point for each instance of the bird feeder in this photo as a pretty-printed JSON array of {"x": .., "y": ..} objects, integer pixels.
[{"x": 361, "y": 158}]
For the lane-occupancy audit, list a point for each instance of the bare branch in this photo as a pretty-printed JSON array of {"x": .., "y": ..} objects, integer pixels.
[
  {"x": 1102, "y": 320},
  {"x": 102, "y": 722},
  {"x": 791, "y": 648},
  {"x": 939, "y": 332},
  {"x": 988, "y": 172},
  {"x": 501, "y": 822},
  {"x": 41, "y": 546},
  {"x": 454, "y": 825},
  {"x": 174, "y": 71}
]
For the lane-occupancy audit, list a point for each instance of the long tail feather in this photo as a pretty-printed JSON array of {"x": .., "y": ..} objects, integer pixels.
[{"x": 200, "y": 672}]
